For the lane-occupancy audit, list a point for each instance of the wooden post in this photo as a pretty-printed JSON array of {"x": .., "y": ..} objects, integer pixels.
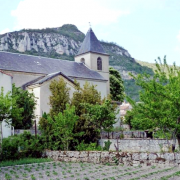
[{"x": 35, "y": 129}]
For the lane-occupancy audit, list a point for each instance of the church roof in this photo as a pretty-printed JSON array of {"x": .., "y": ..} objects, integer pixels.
[
  {"x": 91, "y": 44},
  {"x": 44, "y": 65}
]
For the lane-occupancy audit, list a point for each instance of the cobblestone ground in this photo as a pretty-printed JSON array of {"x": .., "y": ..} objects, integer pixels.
[{"x": 87, "y": 171}]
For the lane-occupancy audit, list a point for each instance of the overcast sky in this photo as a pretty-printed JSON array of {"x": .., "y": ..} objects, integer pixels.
[{"x": 146, "y": 28}]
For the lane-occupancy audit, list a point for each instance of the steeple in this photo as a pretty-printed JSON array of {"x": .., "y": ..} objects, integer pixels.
[
  {"x": 93, "y": 56},
  {"x": 91, "y": 44}
]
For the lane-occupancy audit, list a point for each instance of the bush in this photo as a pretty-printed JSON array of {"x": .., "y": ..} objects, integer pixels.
[
  {"x": 20, "y": 146},
  {"x": 107, "y": 145},
  {"x": 10, "y": 148},
  {"x": 88, "y": 147},
  {"x": 31, "y": 146}
]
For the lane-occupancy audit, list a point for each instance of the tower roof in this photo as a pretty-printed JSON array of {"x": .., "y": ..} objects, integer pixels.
[{"x": 91, "y": 44}]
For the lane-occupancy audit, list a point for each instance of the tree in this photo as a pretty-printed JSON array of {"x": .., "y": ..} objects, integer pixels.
[
  {"x": 101, "y": 116},
  {"x": 116, "y": 85},
  {"x": 60, "y": 96},
  {"x": 159, "y": 100},
  {"x": 26, "y": 102},
  {"x": 88, "y": 94},
  {"x": 8, "y": 106},
  {"x": 5, "y": 109},
  {"x": 61, "y": 127},
  {"x": 5, "y": 106}
]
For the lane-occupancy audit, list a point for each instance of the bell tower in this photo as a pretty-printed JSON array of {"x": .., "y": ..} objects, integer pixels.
[{"x": 92, "y": 54}]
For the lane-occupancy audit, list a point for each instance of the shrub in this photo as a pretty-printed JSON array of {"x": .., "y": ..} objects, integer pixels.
[
  {"x": 20, "y": 146},
  {"x": 107, "y": 145},
  {"x": 10, "y": 148},
  {"x": 88, "y": 147}
]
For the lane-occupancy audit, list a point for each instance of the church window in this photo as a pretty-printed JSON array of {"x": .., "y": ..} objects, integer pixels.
[
  {"x": 99, "y": 63},
  {"x": 83, "y": 60}
]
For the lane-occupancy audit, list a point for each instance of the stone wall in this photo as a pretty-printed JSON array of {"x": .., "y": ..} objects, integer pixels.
[
  {"x": 118, "y": 158},
  {"x": 139, "y": 145}
]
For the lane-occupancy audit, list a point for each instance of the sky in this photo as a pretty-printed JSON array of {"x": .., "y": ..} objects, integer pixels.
[{"x": 146, "y": 28}]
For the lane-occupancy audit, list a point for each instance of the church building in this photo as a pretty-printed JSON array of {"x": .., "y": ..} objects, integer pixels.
[{"x": 35, "y": 73}]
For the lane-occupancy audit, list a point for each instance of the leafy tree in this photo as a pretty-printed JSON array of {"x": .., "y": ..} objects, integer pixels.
[
  {"x": 5, "y": 109},
  {"x": 116, "y": 85},
  {"x": 160, "y": 101},
  {"x": 25, "y": 101},
  {"x": 63, "y": 125},
  {"x": 8, "y": 107},
  {"x": 59, "y": 128},
  {"x": 88, "y": 94},
  {"x": 60, "y": 96},
  {"x": 5, "y": 106},
  {"x": 51, "y": 140},
  {"x": 101, "y": 116}
]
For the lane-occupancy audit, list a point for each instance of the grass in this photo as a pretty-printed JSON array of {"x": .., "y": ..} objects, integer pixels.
[{"x": 24, "y": 161}]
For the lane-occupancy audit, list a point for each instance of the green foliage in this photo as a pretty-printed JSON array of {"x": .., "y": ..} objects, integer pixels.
[
  {"x": 88, "y": 147},
  {"x": 57, "y": 131},
  {"x": 5, "y": 106},
  {"x": 101, "y": 116},
  {"x": 63, "y": 125},
  {"x": 25, "y": 102},
  {"x": 116, "y": 85},
  {"x": 23, "y": 145},
  {"x": 107, "y": 145},
  {"x": 89, "y": 95},
  {"x": 10, "y": 148},
  {"x": 160, "y": 100},
  {"x": 131, "y": 89},
  {"x": 8, "y": 108},
  {"x": 31, "y": 145},
  {"x": 80, "y": 122},
  {"x": 60, "y": 96}
]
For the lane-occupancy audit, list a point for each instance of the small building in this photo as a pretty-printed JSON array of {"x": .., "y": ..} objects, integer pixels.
[{"x": 6, "y": 83}]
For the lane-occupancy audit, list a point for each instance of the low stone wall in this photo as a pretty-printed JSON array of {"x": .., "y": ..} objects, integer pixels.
[
  {"x": 139, "y": 145},
  {"x": 105, "y": 157}
]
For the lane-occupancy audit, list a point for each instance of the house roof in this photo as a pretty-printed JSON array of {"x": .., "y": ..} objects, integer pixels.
[
  {"x": 5, "y": 73},
  {"x": 44, "y": 65},
  {"x": 50, "y": 76},
  {"x": 91, "y": 44}
]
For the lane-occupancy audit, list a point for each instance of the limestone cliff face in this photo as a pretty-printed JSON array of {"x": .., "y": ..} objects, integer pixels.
[{"x": 39, "y": 42}]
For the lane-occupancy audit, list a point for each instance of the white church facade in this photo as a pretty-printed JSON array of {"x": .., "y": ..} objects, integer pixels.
[
  {"x": 35, "y": 73},
  {"x": 6, "y": 83}
]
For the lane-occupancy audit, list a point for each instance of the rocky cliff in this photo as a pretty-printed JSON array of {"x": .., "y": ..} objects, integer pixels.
[{"x": 64, "y": 43}]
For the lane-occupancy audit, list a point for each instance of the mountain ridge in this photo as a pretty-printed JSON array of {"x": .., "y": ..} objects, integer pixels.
[{"x": 64, "y": 42}]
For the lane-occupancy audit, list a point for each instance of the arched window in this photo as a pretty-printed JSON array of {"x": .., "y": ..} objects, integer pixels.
[
  {"x": 83, "y": 60},
  {"x": 99, "y": 63}
]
